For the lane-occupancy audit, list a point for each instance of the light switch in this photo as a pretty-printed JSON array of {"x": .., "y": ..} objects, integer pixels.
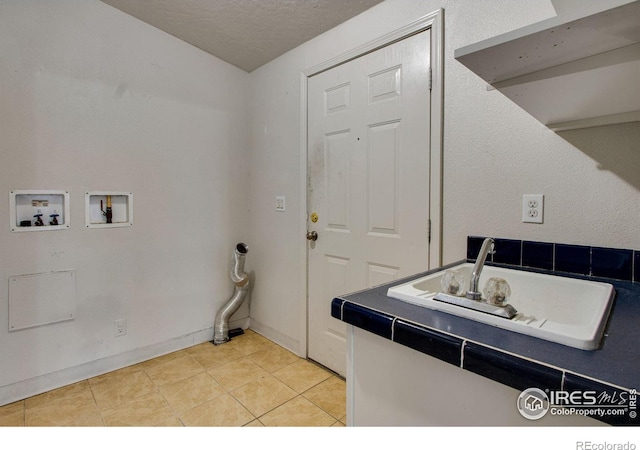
[{"x": 280, "y": 203}]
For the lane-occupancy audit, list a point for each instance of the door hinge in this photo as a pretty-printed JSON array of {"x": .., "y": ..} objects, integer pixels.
[
  {"x": 429, "y": 231},
  {"x": 430, "y": 78}
]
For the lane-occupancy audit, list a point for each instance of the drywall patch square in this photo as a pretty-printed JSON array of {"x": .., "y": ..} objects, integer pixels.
[{"x": 41, "y": 299}]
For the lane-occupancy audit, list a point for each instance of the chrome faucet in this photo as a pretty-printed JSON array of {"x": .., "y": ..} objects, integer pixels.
[{"x": 487, "y": 247}]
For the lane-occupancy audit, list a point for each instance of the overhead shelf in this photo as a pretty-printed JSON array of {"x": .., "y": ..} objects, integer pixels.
[{"x": 568, "y": 71}]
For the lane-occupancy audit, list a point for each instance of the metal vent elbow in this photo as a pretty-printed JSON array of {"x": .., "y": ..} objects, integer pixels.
[{"x": 241, "y": 282}]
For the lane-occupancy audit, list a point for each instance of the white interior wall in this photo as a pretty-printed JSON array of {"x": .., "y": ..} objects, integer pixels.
[
  {"x": 93, "y": 99},
  {"x": 494, "y": 152}
]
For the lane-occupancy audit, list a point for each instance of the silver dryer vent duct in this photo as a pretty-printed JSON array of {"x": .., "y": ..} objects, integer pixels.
[{"x": 241, "y": 281}]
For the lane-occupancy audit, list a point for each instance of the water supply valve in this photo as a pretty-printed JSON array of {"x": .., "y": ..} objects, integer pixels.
[
  {"x": 108, "y": 213},
  {"x": 38, "y": 222}
]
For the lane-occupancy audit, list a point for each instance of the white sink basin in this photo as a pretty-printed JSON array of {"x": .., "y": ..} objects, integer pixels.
[{"x": 563, "y": 310}]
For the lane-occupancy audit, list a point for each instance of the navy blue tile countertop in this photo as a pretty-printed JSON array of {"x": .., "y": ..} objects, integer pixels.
[{"x": 510, "y": 358}]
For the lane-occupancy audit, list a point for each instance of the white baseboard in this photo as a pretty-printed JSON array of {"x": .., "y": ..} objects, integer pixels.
[
  {"x": 37, "y": 385},
  {"x": 274, "y": 335}
]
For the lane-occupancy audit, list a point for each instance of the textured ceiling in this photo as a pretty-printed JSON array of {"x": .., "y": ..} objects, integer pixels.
[{"x": 245, "y": 33}]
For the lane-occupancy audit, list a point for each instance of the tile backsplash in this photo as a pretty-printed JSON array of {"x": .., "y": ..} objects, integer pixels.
[{"x": 618, "y": 264}]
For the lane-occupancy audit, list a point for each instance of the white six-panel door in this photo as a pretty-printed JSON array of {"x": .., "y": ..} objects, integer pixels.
[{"x": 368, "y": 181}]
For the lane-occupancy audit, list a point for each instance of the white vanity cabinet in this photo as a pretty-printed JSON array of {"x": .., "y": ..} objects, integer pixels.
[{"x": 389, "y": 384}]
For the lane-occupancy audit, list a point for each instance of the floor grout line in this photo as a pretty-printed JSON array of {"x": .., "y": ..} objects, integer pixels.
[{"x": 254, "y": 344}]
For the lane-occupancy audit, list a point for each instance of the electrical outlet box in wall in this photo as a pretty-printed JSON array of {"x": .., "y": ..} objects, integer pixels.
[
  {"x": 532, "y": 208},
  {"x": 108, "y": 209},
  {"x": 38, "y": 210},
  {"x": 120, "y": 327}
]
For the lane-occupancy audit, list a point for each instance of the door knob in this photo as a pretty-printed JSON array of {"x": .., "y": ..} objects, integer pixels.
[{"x": 312, "y": 236}]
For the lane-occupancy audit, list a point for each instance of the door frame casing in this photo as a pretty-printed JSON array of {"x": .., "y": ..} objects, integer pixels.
[{"x": 435, "y": 22}]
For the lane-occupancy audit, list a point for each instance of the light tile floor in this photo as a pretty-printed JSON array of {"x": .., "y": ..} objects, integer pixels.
[{"x": 248, "y": 381}]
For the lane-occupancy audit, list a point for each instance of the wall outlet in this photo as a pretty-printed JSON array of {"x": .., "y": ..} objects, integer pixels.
[
  {"x": 120, "y": 327},
  {"x": 532, "y": 208},
  {"x": 280, "y": 203}
]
